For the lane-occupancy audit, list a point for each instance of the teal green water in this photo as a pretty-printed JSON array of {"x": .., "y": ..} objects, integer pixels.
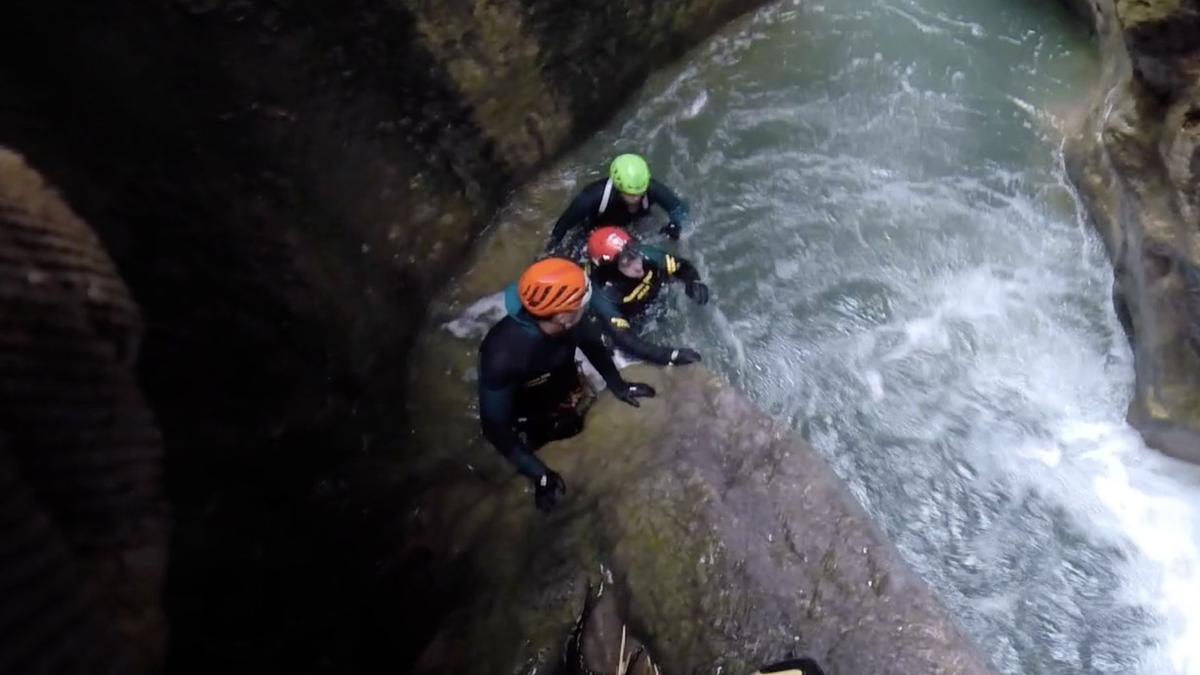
[{"x": 901, "y": 271}]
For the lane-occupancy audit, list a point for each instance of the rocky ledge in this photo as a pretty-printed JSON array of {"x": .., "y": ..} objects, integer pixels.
[{"x": 723, "y": 541}]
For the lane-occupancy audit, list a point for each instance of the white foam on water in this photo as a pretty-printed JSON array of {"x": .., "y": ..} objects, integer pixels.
[
  {"x": 1090, "y": 462},
  {"x": 1138, "y": 498},
  {"x": 926, "y": 28},
  {"x": 478, "y": 317},
  {"x": 1153, "y": 501},
  {"x": 696, "y": 106}
]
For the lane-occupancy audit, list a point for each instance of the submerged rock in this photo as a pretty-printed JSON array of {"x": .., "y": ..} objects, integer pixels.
[
  {"x": 727, "y": 543},
  {"x": 1136, "y": 162}
]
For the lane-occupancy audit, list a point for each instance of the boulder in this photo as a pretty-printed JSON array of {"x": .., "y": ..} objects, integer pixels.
[
  {"x": 726, "y": 542},
  {"x": 1136, "y": 162}
]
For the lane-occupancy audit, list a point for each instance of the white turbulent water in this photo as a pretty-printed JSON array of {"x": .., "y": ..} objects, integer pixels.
[{"x": 901, "y": 271}]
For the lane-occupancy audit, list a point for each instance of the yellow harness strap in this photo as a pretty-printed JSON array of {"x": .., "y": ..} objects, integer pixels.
[{"x": 642, "y": 290}]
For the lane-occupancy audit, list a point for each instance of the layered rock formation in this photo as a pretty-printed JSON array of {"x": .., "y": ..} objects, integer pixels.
[
  {"x": 83, "y": 522},
  {"x": 1136, "y": 162}
]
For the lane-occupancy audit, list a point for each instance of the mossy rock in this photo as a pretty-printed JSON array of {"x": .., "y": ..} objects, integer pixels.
[
  {"x": 1134, "y": 12},
  {"x": 729, "y": 542}
]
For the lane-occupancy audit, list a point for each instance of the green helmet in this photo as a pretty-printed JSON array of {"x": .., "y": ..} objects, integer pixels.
[{"x": 630, "y": 174}]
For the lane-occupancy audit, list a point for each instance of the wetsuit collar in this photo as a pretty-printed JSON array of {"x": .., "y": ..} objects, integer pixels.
[{"x": 512, "y": 304}]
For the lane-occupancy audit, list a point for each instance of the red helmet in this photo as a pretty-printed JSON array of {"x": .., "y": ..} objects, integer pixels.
[
  {"x": 553, "y": 286},
  {"x": 606, "y": 243}
]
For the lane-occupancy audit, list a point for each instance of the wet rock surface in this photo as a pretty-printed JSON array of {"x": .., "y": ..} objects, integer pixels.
[
  {"x": 1136, "y": 162},
  {"x": 283, "y": 185},
  {"x": 726, "y": 542}
]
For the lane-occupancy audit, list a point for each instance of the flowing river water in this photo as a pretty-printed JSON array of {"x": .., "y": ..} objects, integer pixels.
[{"x": 901, "y": 271}]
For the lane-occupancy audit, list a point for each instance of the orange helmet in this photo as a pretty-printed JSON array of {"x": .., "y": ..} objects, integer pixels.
[
  {"x": 606, "y": 243},
  {"x": 553, "y": 286}
]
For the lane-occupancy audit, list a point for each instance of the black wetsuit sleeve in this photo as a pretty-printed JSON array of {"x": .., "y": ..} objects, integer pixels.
[
  {"x": 623, "y": 335},
  {"x": 662, "y": 195},
  {"x": 591, "y": 343},
  {"x": 628, "y": 341},
  {"x": 581, "y": 209},
  {"x": 498, "y": 382},
  {"x": 674, "y": 266},
  {"x": 685, "y": 271}
]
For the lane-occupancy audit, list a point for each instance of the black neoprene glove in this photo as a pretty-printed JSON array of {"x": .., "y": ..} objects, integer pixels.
[
  {"x": 672, "y": 230},
  {"x": 630, "y": 392},
  {"x": 684, "y": 356},
  {"x": 566, "y": 426},
  {"x": 697, "y": 291},
  {"x": 547, "y": 490},
  {"x": 801, "y": 666}
]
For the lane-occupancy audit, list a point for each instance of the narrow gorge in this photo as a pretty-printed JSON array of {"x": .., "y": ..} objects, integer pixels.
[{"x": 950, "y": 362}]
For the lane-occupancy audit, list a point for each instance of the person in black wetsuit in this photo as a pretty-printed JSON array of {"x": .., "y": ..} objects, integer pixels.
[
  {"x": 528, "y": 381},
  {"x": 626, "y": 194},
  {"x": 628, "y": 276}
]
